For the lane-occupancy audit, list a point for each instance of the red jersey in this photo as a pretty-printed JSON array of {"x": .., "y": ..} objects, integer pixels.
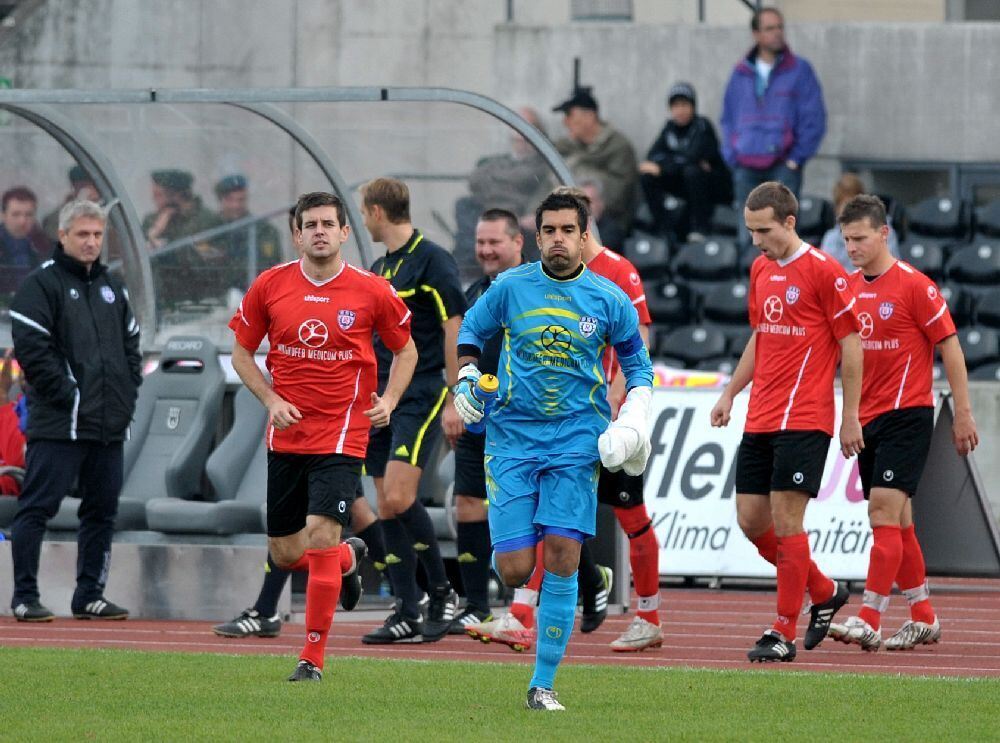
[
  {"x": 903, "y": 316},
  {"x": 620, "y": 270},
  {"x": 800, "y": 307},
  {"x": 11, "y": 447},
  {"x": 321, "y": 357}
]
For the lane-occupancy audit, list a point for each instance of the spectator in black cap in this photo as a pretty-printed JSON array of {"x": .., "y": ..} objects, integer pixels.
[
  {"x": 595, "y": 150},
  {"x": 250, "y": 247},
  {"x": 187, "y": 271},
  {"x": 684, "y": 161},
  {"x": 81, "y": 187}
]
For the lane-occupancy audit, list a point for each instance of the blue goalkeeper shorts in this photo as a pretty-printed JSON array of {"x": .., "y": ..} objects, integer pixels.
[{"x": 526, "y": 495}]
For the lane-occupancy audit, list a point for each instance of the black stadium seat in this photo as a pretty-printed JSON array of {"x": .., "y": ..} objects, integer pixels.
[
  {"x": 650, "y": 255},
  {"x": 725, "y": 220},
  {"x": 727, "y": 303},
  {"x": 959, "y": 303},
  {"x": 978, "y": 263},
  {"x": 986, "y": 373},
  {"x": 925, "y": 256},
  {"x": 988, "y": 309},
  {"x": 669, "y": 302},
  {"x": 738, "y": 339},
  {"x": 693, "y": 343},
  {"x": 712, "y": 260},
  {"x": 815, "y": 217},
  {"x": 980, "y": 345},
  {"x": 988, "y": 219},
  {"x": 721, "y": 364},
  {"x": 936, "y": 216}
]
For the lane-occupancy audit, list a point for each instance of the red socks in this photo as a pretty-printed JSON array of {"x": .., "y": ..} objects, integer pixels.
[
  {"x": 912, "y": 577},
  {"x": 644, "y": 555},
  {"x": 322, "y": 592},
  {"x": 820, "y": 587},
  {"x": 793, "y": 572},
  {"x": 525, "y": 613},
  {"x": 302, "y": 564},
  {"x": 883, "y": 564}
]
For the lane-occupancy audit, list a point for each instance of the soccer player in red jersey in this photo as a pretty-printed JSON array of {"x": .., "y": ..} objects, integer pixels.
[
  {"x": 903, "y": 319},
  {"x": 319, "y": 314},
  {"x": 621, "y": 491},
  {"x": 804, "y": 321}
]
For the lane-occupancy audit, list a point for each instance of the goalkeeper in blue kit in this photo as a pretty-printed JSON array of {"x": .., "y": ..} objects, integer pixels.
[{"x": 551, "y": 424}]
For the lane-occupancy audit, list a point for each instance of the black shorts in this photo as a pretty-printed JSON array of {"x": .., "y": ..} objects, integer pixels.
[
  {"x": 470, "y": 474},
  {"x": 300, "y": 485},
  {"x": 619, "y": 489},
  {"x": 896, "y": 447},
  {"x": 781, "y": 460},
  {"x": 413, "y": 430}
]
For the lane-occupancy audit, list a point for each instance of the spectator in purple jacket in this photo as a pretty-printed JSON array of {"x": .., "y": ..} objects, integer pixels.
[{"x": 773, "y": 116}]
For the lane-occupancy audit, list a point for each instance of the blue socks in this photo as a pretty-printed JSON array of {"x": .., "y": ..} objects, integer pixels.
[{"x": 554, "y": 623}]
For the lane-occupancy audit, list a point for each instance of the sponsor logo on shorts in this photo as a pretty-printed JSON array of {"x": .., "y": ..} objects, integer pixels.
[
  {"x": 553, "y": 633},
  {"x": 888, "y": 475},
  {"x": 798, "y": 478}
]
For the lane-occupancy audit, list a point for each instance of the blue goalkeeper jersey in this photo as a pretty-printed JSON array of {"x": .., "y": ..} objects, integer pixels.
[{"x": 553, "y": 394}]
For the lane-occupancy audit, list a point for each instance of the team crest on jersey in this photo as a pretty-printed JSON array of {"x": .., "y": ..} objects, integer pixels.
[
  {"x": 107, "y": 294},
  {"x": 885, "y": 310},
  {"x": 588, "y": 325},
  {"x": 345, "y": 319},
  {"x": 792, "y": 294}
]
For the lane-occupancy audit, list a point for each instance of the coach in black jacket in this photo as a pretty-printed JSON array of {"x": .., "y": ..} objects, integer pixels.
[{"x": 78, "y": 342}]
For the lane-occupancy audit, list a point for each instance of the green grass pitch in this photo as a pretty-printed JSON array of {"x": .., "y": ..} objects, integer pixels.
[{"x": 48, "y": 694}]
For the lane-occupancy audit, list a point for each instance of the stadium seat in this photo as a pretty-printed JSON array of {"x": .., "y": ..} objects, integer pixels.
[
  {"x": 941, "y": 217},
  {"x": 986, "y": 373},
  {"x": 925, "y": 256},
  {"x": 669, "y": 302},
  {"x": 726, "y": 304},
  {"x": 738, "y": 338},
  {"x": 237, "y": 471},
  {"x": 988, "y": 219},
  {"x": 988, "y": 309},
  {"x": 725, "y": 220},
  {"x": 747, "y": 257},
  {"x": 721, "y": 364},
  {"x": 978, "y": 263},
  {"x": 669, "y": 361},
  {"x": 712, "y": 260},
  {"x": 980, "y": 345},
  {"x": 171, "y": 433},
  {"x": 815, "y": 218},
  {"x": 693, "y": 343},
  {"x": 959, "y": 303},
  {"x": 896, "y": 213},
  {"x": 650, "y": 255}
]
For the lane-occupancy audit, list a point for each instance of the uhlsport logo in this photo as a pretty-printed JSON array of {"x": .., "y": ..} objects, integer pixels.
[
  {"x": 840, "y": 284},
  {"x": 888, "y": 475},
  {"x": 345, "y": 319},
  {"x": 313, "y": 333},
  {"x": 798, "y": 478},
  {"x": 313, "y": 637},
  {"x": 588, "y": 325},
  {"x": 553, "y": 633}
]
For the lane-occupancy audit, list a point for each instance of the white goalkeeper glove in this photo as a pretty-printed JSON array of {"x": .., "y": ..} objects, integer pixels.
[
  {"x": 625, "y": 444},
  {"x": 470, "y": 408}
]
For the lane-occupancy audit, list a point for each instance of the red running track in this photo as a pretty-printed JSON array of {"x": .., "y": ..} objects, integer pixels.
[{"x": 703, "y": 629}]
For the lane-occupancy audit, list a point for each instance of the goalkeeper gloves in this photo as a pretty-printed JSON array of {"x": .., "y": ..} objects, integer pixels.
[
  {"x": 625, "y": 444},
  {"x": 470, "y": 408}
]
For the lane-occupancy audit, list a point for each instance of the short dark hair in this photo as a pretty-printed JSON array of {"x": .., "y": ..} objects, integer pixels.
[
  {"x": 864, "y": 206},
  {"x": 292, "y": 224},
  {"x": 319, "y": 198},
  {"x": 511, "y": 225},
  {"x": 555, "y": 202},
  {"x": 775, "y": 195},
  {"x": 391, "y": 194},
  {"x": 577, "y": 193},
  {"x": 18, "y": 193},
  {"x": 755, "y": 18}
]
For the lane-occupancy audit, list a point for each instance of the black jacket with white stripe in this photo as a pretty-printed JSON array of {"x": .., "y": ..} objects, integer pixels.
[{"x": 77, "y": 341}]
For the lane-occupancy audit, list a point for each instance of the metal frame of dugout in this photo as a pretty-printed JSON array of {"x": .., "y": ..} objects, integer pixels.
[{"x": 41, "y": 108}]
